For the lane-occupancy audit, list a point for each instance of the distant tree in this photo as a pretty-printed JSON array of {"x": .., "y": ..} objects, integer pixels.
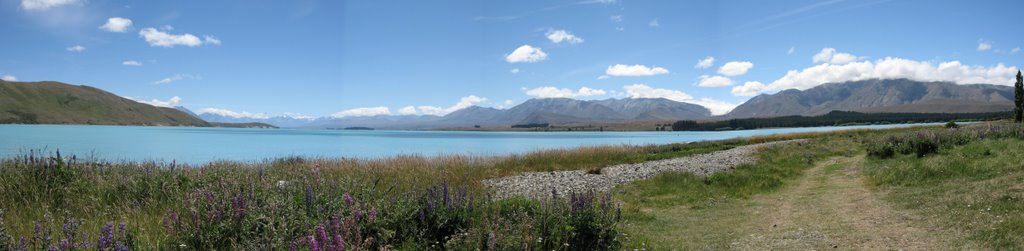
[{"x": 1018, "y": 101}]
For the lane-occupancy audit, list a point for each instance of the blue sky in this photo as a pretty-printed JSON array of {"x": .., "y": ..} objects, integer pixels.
[{"x": 355, "y": 58}]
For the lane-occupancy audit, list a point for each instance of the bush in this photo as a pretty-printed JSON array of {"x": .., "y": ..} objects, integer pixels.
[
  {"x": 952, "y": 125},
  {"x": 930, "y": 141}
]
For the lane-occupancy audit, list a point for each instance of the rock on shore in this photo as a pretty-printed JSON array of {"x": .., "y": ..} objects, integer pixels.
[{"x": 539, "y": 184}]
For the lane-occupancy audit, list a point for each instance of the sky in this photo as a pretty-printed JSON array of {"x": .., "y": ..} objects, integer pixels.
[{"x": 312, "y": 58}]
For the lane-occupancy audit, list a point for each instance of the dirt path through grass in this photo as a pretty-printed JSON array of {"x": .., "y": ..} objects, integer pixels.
[{"x": 829, "y": 207}]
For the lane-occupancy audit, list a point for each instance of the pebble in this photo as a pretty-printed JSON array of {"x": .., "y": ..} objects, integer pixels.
[{"x": 562, "y": 183}]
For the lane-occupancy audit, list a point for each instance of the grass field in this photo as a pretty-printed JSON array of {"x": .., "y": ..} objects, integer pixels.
[{"x": 416, "y": 203}]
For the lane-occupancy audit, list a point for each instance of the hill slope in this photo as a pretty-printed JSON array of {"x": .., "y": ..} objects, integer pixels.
[
  {"x": 59, "y": 103},
  {"x": 889, "y": 95}
]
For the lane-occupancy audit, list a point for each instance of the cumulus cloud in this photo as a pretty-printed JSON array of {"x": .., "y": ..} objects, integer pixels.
[
  {"x": 1015, "y": 50},
  {"x": 634, "y": 70},
  {"x": 117, "y": 24},
  {"x": 463, "y": 103},
  {"x": 8, "y": 78},
  {"x": 174, "y": 78},
  {"x": 602, "y": 77},
  {"x": 713, "y": 81},
  {"x": 984, "y": 45},
  {"x": 514, "y": 70},
  {"x": 45, "y": 4},
  {"x": 559, "y": 36},
  {"x": 705, "y": 63},
  {"x": 76, "y": 48},
  {"x": 735, "y": 68},
  {"x": 526, "y": 54},
  {"x": 830, "y": 55},
  {"x": 163, "y": 39},
  {"x": 643, "y": 91},
  {"x": 160, "y": 103},
  {"x": 242, "y": 114},
  {"x": 750, "y": 88},
  {"x": 893, "y": 68},
  {"x": 131, "y": 63},
  {"x": 408, "y": 110},
  {"x": 362, "y": 112},
  {"x": 298, "y": 116},
  {"x": 555, "y": 92},
  {"x": 616, "y": 18}
]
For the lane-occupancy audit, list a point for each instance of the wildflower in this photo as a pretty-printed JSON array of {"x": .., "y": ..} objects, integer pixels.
[
  {"x": 373, "y": 215},
  {"x": 106, "y": 240},
  {"x": 348, "y": 199}
]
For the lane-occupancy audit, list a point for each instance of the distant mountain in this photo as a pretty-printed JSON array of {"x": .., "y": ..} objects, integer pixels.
[
  {"x": 655, "y": 109},
  {"x": 534, "y": 111},
  {"x": 880, "y": 95},
  {"x": 60, "y": 103}
]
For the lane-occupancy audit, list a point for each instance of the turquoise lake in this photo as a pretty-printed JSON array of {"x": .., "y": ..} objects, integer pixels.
[{"x": 200, "y": 145}]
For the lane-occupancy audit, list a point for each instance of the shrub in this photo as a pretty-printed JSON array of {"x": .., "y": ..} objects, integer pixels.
[{"x": 952, "y": 125}]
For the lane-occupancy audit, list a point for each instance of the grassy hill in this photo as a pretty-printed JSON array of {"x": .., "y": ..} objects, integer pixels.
[{"x": 60, "y": 103}]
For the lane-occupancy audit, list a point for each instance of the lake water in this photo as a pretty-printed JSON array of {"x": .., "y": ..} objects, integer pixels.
[{"x": 200, "y": 145}]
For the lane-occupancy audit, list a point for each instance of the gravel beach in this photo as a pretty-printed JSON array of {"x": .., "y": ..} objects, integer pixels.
[{"x": 538, "y": 184}]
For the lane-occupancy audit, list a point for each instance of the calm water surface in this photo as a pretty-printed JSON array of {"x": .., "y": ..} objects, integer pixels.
[{"x": 200, "y": 145}]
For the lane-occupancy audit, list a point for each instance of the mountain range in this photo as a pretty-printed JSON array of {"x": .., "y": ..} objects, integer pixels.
[
  {"x": 560, "y": 111},
  {"x": 59, "y": 103},
  {"x": 873, "y": 96}
]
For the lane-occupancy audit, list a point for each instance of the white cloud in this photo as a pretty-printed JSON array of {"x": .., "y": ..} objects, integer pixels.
[
  {"x": 408, "y": 110},
  {"x": 527, "y": 54},
  {"x": 362, "y": 112},
  {"x": 463, "y": 103},
  {"x": 1015, "y": 50},
  {"x": 243, "y": 114},
  {"x": 602, "y": 77},
  {"x": 634, "y": 70},
  {"x": 830, "y": 55},
  {"x": 984, "y": 45},
  {"x": 163, "y": 39},
  {"x": 298, "y": 116},
  {"x": 161, "y": 103},
  {"x": 705, "y": 63},
  {"x": 644, "y": 91},
  {"x": 514, "y": 70},
  {"x": 170, "y": 79},
  {"x": 131, "y": 63},
  {"x": 8, "y": 78},
  {"x": 558, "y": 36},
  {"x": 76, "y": 48},
  {"x": 894, "y": 68},
  {"x": 715, "y": 106},
  {"x": 555, "y": 92},
  {"x": 117, "y": 24},
  {"x": 713, "y": 81},
  {"x": 791, "y": 50},
  {"x": 616, "y": 18},
  {"x": 506, "y": 104},
  {"x": 211, "y": 40},
  {"x": 653, "y": 23},
  {"x": 45, "y": 4},
  {"x": 750, "y": 88},
  {"x": 735, "y": 68}
]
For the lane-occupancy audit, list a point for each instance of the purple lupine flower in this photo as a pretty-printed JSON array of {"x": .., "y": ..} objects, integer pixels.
[
  {"x": 339, "y": 243},
  {"x": 106, "y": 239},
  {"x": 444, "y": 195},
  {"x": 321, "y": 236},
  {"x": 120, "y": 246},
  {"x": 309, "y": 197},
  {"x": 373, "y": 215},
  {"x": 313, "y": 245},
  {"x": 348, "y": 199},
  {"x": 65, "y": 244},
  {"x": 335, "y": 225}
]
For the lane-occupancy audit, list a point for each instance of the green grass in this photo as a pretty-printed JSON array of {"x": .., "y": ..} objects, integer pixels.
[
  {"x": 976, "y": 188},
  {"x": 59, "y": 103},
  {"x": 685, "y": 211}
]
